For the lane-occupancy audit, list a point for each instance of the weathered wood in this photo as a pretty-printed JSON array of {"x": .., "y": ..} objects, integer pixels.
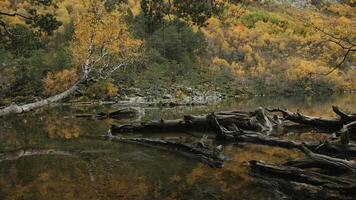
[
  {"x": 16, "y": 109},
  {"x": 331, "y": 124},
  {"x": 256, "y": 120},
  {"x": 323, "y": 123},
  {"x": 341, "y": 165},
  {"x": 163, "y": 126},
  {"x": 296, "y": 183},
  {"x": 347, "y": 132},
  {"x": 345, "y": 118},
  {"x": 242, "y": 136}
]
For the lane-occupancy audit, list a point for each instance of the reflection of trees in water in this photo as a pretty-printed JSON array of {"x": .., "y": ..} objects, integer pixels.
[
  {"x": 65, "y": 177},
  {"x": 98, "y": 175},
  {"x": 59, "y": 127}
]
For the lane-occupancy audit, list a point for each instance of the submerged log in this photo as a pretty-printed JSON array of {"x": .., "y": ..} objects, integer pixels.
[
  {"x": 256, "y": 120},
  {"x": 296, "y": 183},
  {"x": 347, "y": 132},
  {"x": 191, "y": 124},
  {"x": 240, "y": 136},
  {"x": 213, "y": 157},
  {"x": 314, "y": 160}
]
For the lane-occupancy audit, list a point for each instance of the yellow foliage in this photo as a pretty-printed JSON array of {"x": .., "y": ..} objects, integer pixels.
[
  {"x": 111, "y": 89},
  {"x": 62, "y": 128},
  {"x": 219, "y": 63},
  {"x": 237, "y": 69},
  {"x": 108, "y": 32},
  {"x": 58, "y": 82}
]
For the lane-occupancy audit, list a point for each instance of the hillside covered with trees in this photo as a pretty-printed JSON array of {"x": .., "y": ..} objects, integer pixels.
[
  {"x": 113, "y": 48},
  {"x": 177, "y": 99}
]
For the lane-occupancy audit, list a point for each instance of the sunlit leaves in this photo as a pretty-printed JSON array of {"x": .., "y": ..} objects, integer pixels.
[
  {"x": 107, "y": 31},
  {"x": 58, "y": 82}
]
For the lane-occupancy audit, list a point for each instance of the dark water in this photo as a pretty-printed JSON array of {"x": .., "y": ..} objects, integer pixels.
[{"x": 46, "y": 155}]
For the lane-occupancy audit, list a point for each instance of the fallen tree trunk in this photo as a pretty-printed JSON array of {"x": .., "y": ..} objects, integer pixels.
[
  {"x": 296, "y": 183},
  {"x": 238, "y": 136},
  {"x": 345, "y": 118},
  {"x": 256, "y": 120},
  {"x": 16, "y": 109},
  {"x": 347, "y": 132},
  {"x": 318, "y": 122},
  {"x": 314, "y": 160},
  {"x": 188, "y": 123}
]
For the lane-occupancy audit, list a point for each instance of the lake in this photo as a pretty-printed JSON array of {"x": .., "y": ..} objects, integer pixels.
[{"x": 47, "y": 154}]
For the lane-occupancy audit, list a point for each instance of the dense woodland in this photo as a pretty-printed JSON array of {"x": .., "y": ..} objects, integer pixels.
[
  {"x": 234, "y": 47},
  {"x": 137, "y": 76}
]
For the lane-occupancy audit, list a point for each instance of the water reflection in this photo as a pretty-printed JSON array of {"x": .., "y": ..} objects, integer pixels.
[{"x": 99, "y": 169}]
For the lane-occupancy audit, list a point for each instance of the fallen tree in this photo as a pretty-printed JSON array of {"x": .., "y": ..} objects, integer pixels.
[
  {"x": 296, "y": 183},
  {"x": 256, "y": 120},
  {"x": 98, "y": 55},
  {"x": 331, "y": 124},
  {"x": 241, "y": 136}
]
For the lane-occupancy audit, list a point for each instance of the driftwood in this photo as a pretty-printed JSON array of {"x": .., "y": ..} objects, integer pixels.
[
  {"x": 347, "y": 132},
  {"x": 239, "y": 136},
  {"x": 297, "y": 183},
  {"x": 256, "y": 120},
  {"x": 17, "y": 109},
  {"x": 314, "y": 160},
  {"x": 331, "y": 178},
  {"x": 318, "y": 122},
  {"x": 188, "y": 123}
]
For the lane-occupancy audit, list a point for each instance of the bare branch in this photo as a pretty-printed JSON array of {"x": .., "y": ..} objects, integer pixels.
[{"x": 15, "y": 14}]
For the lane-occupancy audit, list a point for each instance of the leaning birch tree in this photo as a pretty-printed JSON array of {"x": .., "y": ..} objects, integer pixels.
[{"x": 101, "y": 45}]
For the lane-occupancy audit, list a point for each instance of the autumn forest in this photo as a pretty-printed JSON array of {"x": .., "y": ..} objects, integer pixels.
[{"x": 177, "y": 99}]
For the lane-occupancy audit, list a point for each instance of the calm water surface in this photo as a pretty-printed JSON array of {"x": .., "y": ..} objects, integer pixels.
[{"x": 47, "y": 155}]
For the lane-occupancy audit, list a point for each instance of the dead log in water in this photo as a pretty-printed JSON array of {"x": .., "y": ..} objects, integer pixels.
[
  {"x": 243, "y": 136},
  {"x": 256, "y": 120},
  {"x": 347, "y": 132},
  {"x": 331, "y": 124},
  {"x": 297, "y": 183},
  {"x": 214, "y": 157},
  {"x": 188, "y": 123},
  {"x": 314, "y": 160}
]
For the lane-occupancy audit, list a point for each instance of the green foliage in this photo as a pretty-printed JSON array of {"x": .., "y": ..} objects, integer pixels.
[
  {"x": 47, "y": 23},
  {"x": 177, "y": 42},
  {"x": 196, "y": 12},
  {"x": 251, "y": 19},
  {"x": 24, "y": 41}
]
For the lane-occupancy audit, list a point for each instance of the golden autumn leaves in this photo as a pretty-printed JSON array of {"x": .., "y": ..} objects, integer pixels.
[{"x": 101, "y": 43}]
